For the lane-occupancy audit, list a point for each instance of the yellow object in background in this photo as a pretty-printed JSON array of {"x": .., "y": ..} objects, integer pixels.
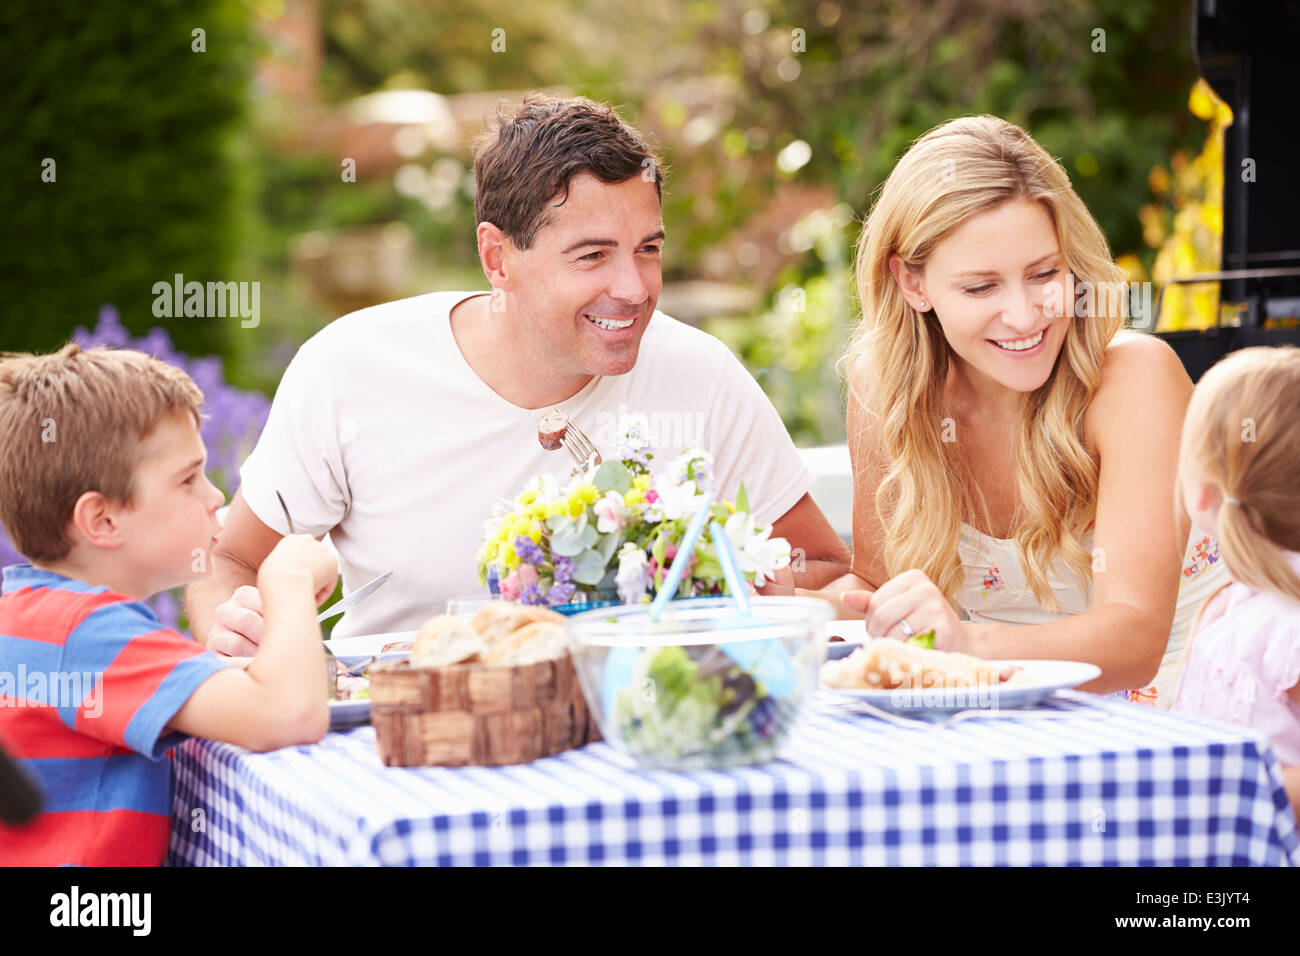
[{"x": 1187, "y": 228}]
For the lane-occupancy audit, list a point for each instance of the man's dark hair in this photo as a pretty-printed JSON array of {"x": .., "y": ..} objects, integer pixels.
[{"x": 527, "y": 157}]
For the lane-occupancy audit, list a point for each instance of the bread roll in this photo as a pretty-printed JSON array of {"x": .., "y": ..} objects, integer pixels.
[
  {"x": 446, "y": 639},
  {"x": 497, "y": 620},
  {"x": 538, "y": 641}
]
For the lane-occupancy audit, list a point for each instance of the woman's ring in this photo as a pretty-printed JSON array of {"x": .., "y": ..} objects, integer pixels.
[{"x": 907, "y": 628}]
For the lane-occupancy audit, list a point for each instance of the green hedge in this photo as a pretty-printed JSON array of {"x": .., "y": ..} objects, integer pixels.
[{"x": 143, "y": 131}]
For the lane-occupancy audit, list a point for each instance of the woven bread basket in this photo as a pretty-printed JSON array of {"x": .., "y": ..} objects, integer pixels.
[{"x": 477, "y": 714}]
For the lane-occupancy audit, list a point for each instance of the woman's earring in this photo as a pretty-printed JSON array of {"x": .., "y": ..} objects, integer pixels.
[{"x": 924, "y": 306}]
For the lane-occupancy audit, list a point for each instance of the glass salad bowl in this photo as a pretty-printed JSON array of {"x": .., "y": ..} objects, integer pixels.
[{"x": 705, "y": 686}]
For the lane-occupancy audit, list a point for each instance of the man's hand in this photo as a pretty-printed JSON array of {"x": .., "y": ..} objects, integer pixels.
[
  {"x": 238, "y": 627},
  {"x": 781, "y": 584}
]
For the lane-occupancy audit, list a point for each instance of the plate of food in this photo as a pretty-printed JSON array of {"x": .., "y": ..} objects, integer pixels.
[
  {"x": 351, "y": 704},
  {"x": 350, "y": 713},
  {"x": 912, "y": 680},
  {"x": 351, "y": 651}
]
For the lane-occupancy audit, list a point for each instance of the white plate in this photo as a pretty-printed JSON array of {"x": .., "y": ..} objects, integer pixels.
[
  {"x": 852, "y": 630},
  {"x": 349, "y": 713},
  {"x": 1035, "y": 681},
  {"x": 354, "y": 650}
]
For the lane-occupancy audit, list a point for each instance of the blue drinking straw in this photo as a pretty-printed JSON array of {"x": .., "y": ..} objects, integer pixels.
[
  {"x": 669, "y": 589},
  {"x": 767, "y": 660},
  {"x": 730, "y": 568}
]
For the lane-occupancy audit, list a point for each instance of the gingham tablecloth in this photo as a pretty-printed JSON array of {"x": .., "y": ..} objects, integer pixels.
[{"x": 1140, "y": 787}]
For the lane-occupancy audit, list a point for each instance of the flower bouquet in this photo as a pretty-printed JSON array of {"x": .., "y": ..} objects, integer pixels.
[{"x": 611, "y": 534}]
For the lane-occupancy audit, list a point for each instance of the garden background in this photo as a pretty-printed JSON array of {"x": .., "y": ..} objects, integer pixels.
[{"x": 320, "y": 148}]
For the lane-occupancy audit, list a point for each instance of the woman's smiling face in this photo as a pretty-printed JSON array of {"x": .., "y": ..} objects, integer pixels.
[{"x": 995, "y": 284}]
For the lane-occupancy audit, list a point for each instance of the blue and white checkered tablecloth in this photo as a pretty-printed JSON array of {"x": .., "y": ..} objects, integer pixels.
[{"x": 1139, "y": 787}]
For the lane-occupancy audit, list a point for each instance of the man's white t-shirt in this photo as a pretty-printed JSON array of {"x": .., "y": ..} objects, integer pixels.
[{"x": 382, "y": 435}]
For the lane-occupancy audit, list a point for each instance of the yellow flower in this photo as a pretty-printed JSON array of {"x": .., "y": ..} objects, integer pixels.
[
  {"x": 587, "y": 492},
  {"x": 641, "y": 482},
  {"x": 535, "y": 532},
  {"x": 527, "y": 496},
  {"x": 534, "y": 511},
  {"x": 508, "y": 556},
  {"x": 554, "y": 508},
  {"x": 576, "y": 506},
  {"x": 633, "y": 497}
]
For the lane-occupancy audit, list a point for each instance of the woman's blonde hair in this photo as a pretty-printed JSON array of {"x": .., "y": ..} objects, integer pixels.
[
  {"x": 1241, "y": 435},
  {"x": 898, "y": 360}
]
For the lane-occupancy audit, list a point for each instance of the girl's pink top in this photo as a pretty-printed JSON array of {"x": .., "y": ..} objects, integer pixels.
[{"x": 1244, "y": 658}]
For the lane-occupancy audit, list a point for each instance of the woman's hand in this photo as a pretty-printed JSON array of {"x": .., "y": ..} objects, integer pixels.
[{"x": 914, "y": 598}]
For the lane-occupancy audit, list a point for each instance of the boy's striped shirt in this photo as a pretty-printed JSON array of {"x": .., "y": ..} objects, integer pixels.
[{"x": 89, "y": 679}]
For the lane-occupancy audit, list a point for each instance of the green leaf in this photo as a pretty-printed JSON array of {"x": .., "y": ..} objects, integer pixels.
[
  {"x": 589, "y": 567},
  {"x": 720, "y": 512},
  {"x": 742, "y": 499},
  {"x": 613, "y": 476},
  {"x": 567, "y": 542},
  {"x": 707, "y": 569},
  {"x": 588, "y": 535},
  {"x": 608, "y": 545}
]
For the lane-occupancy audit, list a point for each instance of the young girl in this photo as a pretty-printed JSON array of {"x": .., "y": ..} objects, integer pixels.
[
  {"x": 1013, "y": 449},
  {"x": 1239, "y": 478}
]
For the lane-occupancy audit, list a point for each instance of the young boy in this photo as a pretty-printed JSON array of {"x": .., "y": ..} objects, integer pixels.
[{"x": 102, "y": 488}]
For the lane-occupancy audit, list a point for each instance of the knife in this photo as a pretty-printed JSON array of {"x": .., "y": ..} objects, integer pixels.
[{"x": 356, "y": 597}]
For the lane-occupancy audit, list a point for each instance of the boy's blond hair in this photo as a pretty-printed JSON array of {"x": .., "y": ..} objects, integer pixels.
[
  {"x": 74, "y": 421},
  {"x": 1241, "y": 433}
]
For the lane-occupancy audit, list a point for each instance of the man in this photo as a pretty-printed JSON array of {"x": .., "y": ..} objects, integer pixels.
[{"x": 396, "y": 427}]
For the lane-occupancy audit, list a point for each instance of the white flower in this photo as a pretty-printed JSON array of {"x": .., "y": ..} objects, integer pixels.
[
  {"x": 547, "y": 488},
  {"x": 611, "y": 511},
  {"x": 635, "y": 446},
  {"x": 679, "y": 501},
  {"x": 756, "y": 552},
  {"x": 633, "y": 578},
  {"x": 694, "y": 465}
]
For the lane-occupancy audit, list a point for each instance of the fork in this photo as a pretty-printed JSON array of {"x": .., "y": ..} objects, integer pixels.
[
  {"x": 962, "y": 715},
  {"x": 579, "y": 446}
]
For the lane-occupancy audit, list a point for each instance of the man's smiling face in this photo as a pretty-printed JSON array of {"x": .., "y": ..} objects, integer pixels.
[{"x": 587, "y": 288}]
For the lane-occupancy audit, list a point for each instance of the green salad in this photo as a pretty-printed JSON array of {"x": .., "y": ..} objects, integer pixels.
[{"x": 696, "y": 702}]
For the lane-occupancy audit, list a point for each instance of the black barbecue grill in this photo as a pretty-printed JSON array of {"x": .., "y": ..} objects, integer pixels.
[{"x": 1248, "y": 51}]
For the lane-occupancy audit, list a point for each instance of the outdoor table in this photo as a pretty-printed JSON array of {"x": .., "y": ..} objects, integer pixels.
[{"x": 1109, "y": 782}]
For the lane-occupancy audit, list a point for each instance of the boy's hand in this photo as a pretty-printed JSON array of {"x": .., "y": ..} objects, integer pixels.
[
  {"x": 299, "y": 552},
  {"x": 238, "y": 624},
  {"x": 237, "y": 630}
]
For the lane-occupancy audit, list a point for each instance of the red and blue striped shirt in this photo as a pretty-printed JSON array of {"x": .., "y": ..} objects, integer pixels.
[{"x": 89, "y": 679}]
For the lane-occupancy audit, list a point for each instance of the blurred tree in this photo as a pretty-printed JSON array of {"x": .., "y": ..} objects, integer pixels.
[
  {"x": 754, "y": 100},
  {"x": 448, "y": 46},
  {"x": 139, "y": 114}
]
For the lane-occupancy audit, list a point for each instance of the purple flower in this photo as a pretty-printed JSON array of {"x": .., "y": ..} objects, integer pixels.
[
  {"x": 560, "y": 593},
  {"x": 528, "y": 552},
  {"x": 532, "y": 595},
  {"x": 563, "y": 570}
]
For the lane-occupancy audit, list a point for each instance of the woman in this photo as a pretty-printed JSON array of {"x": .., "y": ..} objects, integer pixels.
[{"x": 1014, "y": 452}]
